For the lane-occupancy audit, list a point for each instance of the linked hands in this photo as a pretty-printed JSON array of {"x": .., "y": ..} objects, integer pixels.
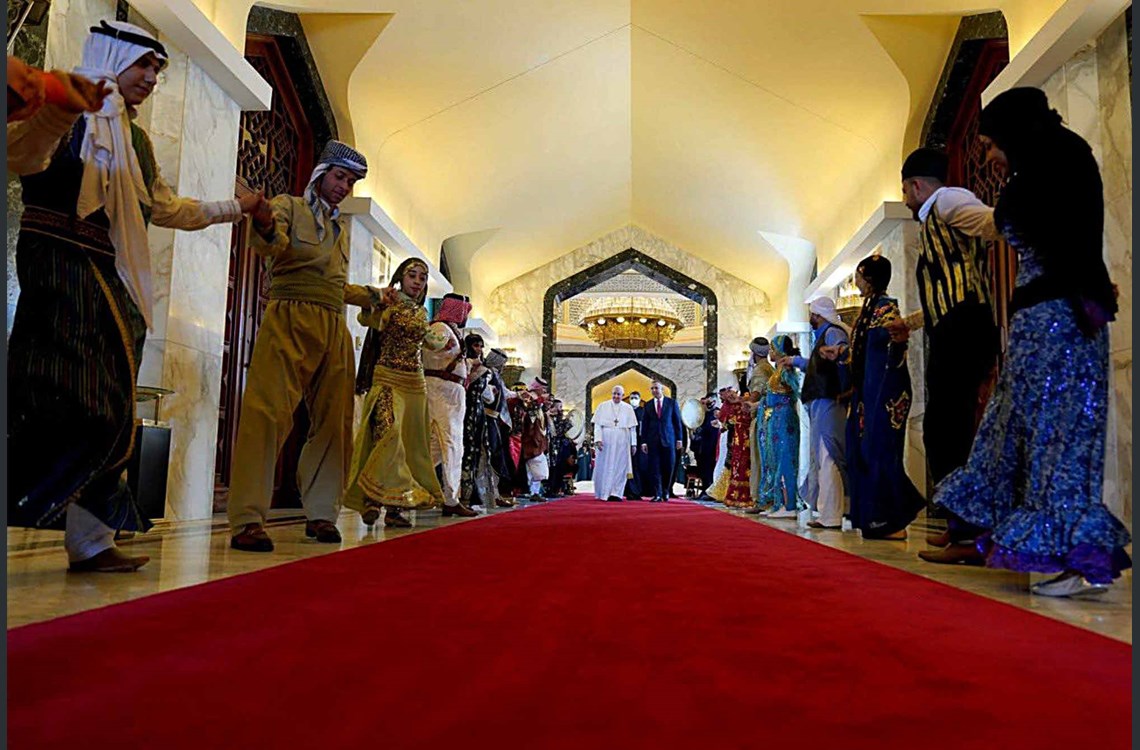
[{"x": 258, "y": 208}]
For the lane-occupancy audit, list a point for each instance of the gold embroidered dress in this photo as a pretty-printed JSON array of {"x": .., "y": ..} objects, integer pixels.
[{"x": 391, "y": 460}]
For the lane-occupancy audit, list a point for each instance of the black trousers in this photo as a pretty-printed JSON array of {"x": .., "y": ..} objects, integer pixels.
[
  {"x": 963, "y": 349},
  {"x": 659, "y": 474}
]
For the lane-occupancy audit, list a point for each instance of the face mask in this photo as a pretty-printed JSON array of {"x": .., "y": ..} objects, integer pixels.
[{"x": 635, "y": 401}]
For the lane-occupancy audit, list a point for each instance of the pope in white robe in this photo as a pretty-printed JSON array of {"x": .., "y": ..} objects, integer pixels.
[{"x": 615, "y": 437}]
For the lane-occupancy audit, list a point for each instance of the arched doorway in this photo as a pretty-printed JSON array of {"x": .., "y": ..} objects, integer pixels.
[
  {"x": 609, "y": 268},
  {"x": 600, "y": 384}
]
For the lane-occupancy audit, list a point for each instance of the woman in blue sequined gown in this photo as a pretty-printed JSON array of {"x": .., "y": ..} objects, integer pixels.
[
  {"x": 883, "y": 499},
  {"x": 1036, "y": 471},
  {"x": 781, "y": 435}
]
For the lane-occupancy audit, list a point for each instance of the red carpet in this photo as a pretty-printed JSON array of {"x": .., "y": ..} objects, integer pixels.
[{"x": 573, "y": 625}]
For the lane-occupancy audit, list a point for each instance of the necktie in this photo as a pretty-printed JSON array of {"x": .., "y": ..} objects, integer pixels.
[{"x": 659, "y": 408}]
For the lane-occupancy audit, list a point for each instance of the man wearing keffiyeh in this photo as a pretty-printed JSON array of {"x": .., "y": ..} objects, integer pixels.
[
  {"x": 303, "y": 351},
  {"x": 91, "y": 185}
]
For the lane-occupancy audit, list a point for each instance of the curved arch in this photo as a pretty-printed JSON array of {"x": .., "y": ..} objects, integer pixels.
[
  {"x": 622, "y": 368},
  {"x": 626, "y": 260}
]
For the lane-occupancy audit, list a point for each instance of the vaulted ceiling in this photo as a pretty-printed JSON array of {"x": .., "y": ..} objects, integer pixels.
[{"x": 521, "y": 129}]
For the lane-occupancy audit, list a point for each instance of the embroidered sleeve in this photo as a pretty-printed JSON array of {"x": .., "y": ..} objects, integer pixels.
[
  {"x": 32, "y": 142},
  {"x": 435, "y": 338}
]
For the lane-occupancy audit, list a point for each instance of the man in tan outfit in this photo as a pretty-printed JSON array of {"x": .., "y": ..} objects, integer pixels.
[{"x": 303, "y": 351}]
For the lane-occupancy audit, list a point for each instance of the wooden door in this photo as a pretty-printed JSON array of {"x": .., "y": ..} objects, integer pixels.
[
  {"x": 275, "y": 154},
  {"x": 968, "y": 169}
]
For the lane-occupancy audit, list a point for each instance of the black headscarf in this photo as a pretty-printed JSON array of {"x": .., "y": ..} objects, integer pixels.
[
  {"x": 1053, "y": 201},
  {"x": 877, "y": 271}
]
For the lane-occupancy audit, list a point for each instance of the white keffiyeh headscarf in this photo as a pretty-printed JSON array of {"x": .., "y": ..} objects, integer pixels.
[
  {"x": 824, "y": 307},
  {"x": 112, "y": 178},
  {"x": 336, "y": 154}
]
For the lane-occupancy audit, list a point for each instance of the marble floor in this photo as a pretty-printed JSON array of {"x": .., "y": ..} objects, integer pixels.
[{"x": 193, "y": 552}]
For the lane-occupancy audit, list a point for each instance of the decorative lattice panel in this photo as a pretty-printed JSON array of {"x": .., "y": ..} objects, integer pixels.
[{"x": 571, "y": 311}]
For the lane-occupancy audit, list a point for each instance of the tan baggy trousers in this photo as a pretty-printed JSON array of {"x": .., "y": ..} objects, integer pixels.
[{"x": 303, "y": 351}]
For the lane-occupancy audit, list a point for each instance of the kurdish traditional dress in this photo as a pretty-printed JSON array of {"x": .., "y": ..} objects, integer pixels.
[
  {"x": 739, "y": 492},
  {"x": 391, "y": 460},
  {"x": 883, "y": 499},
  {"x": 758, "y": 385},
  {"x": 78, "y": 334},
  {"x": 781, "y": 435},
  {"x": 486, "y": 421}
]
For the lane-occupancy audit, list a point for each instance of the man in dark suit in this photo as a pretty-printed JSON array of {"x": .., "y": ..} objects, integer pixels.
[
  {"x": 706, "y": 441},
  {"x": 662, "y": 435}
]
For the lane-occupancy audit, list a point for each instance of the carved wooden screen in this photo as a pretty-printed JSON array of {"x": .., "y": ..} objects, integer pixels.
[
  {"x": 275, "y": 154},
  {"x": 968, "y": 168}
]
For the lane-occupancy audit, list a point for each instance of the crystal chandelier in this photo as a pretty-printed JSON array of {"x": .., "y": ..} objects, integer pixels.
[{"x": 637, "y": 323}]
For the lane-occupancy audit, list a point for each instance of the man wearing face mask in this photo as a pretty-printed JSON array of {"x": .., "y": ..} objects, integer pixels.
[
  {"x": 634, "y": 487},
  {"x": 303, "y": 351},
  {"x": 91, "y": 185}
]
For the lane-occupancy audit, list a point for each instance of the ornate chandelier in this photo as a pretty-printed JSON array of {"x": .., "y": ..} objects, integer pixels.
[{"x": 638, "y": 323}]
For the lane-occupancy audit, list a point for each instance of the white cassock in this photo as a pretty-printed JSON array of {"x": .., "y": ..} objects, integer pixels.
[{"x": 615, "y": 427}]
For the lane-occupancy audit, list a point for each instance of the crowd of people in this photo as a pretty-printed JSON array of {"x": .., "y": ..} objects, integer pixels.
[{"x": 1019, "y": 472}]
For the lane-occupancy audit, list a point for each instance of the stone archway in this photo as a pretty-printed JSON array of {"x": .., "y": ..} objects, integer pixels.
[
  {"x": 614, "y": 372},
  {"x": 631, "y": 259}
]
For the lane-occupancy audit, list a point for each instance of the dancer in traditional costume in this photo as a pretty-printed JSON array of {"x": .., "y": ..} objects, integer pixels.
[
  {"x": 759, "y": 373},
  {"x": 738, "y": 415},
  {"x": 90, "y": 187},
  {"x": 391, "y": 459},
  {"x": 1035, "y": 476},
  {"x": 781, "y": 448},
  {"x": 961, "y": 338},
  {"x": 615, "y": 440},
  {"x": 446, "y": 373},
  {"x": 485, "y": 423},
  {"x": 303, "y": 352},
  {"x": 825, "y": 391},
  {"x": 883, "y": 499}
]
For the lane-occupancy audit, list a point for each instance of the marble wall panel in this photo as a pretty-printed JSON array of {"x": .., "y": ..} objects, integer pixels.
[
  {"x": 192, "y": 413},
  {"x": 514, "y": 310},
  {"x": 197, "y": 296},
  {"x": 360, "y": 271},
  {"x": 68, "y": 22}
]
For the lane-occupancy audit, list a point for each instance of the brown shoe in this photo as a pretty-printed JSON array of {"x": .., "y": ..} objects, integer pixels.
[
  {"x": 323, "y": 531},
  {"x": 370, "y": 515},
  {"x": 252, "y": 538},
  {"x": 111, "y": 560},
  {"x": 938, "y": 540},
  {"x": 505, "y": 502},
  {"x": 955, "y": 554},
  {"x": 394, "y": 519},
  {"x": 460, "y": 510},
  {"x": 818, "y": 525}
]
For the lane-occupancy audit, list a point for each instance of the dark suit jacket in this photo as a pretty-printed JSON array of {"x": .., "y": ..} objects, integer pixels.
[{"x": 663, "y": 432}]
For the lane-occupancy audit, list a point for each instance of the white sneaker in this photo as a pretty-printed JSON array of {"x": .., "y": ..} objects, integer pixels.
[
  {"x": 1070, "y": 585},
  {"x": 782, "y": 513}
]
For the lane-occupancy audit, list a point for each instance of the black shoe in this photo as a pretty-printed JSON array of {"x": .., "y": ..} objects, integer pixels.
[
  {"x": 252, "y": 538},
  {"x": 323, "y": 531},
  {"x": 460, "y": 510},
  {"x": 614, "y": 499}
]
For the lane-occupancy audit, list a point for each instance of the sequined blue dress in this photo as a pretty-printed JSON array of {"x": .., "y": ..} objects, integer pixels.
[
  {"x": 780, "y": 448},
  {"x": 1036, "y": 471}
]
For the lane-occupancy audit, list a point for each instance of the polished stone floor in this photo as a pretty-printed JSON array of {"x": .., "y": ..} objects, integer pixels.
[{"x": 189, "y": 553}]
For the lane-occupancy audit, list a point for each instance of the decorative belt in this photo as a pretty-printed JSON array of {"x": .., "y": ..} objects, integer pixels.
[
  {"x": 67, "y": 227},
  {"x": 444, "y": 375}
]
